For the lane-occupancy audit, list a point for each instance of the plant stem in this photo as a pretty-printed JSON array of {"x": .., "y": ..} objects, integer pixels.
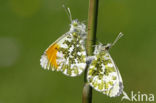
[
  {"x": 91, "y": 40},
  {"x": 92, "y": 25}
]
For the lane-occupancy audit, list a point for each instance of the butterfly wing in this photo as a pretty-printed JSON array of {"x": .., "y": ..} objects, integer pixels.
[
  {"x": 67, "y": 54},
  {"x": 104, "y": 76},
  {"x": 48, "y": 59},
  {"x": 117, "y": 88}
]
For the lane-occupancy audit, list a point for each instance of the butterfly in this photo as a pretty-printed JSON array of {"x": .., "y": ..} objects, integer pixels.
[
  {"x": 67, "y": 54},
  {"x": 103, "y": 75}
]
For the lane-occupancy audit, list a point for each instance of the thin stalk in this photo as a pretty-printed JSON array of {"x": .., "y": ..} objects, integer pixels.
[{"x": 91, "y": 40}]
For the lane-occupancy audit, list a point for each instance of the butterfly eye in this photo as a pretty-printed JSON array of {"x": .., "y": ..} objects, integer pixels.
[{"x": 108, "y": 46}]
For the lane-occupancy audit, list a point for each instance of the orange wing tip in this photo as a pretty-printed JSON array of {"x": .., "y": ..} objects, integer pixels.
[
  {"x": 51, "y": 55},
  {"x": 44, "y": 61}
]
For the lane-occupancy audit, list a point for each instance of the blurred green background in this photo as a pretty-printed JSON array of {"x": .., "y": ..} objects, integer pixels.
[{"x": 28, "y": 27}]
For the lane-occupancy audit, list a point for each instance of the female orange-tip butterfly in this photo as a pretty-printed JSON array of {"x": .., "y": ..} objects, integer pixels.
[
  {"x": 67, "y": 54},
  {"x": 103, "y": 75}
]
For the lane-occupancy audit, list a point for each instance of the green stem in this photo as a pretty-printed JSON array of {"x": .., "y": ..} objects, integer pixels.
[{"x": 91, "y": 40}]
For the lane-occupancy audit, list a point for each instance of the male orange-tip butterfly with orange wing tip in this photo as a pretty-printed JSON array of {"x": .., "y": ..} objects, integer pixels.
[{"x": 67, "y": 54}]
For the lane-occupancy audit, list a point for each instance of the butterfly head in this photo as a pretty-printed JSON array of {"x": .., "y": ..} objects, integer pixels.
[
  {"x": 102, "y": 47},
  {"x": 107, "y": 46},
  {"x": 77, "y": 26}
]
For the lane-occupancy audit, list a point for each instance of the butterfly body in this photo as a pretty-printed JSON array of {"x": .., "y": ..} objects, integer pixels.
[{"x": 67, "y": 54}]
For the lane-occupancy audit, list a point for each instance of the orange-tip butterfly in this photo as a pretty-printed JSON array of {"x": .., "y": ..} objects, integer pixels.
[
  {"x": 67, "y": 54},
  {"x": 103, "y": 75}
]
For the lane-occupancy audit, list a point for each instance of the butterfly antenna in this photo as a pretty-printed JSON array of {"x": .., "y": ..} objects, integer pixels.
[
  {"x": 70, "y": 15},
  {"x": 68, "y": 12},
  {"x": 117, "y": 38}
]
